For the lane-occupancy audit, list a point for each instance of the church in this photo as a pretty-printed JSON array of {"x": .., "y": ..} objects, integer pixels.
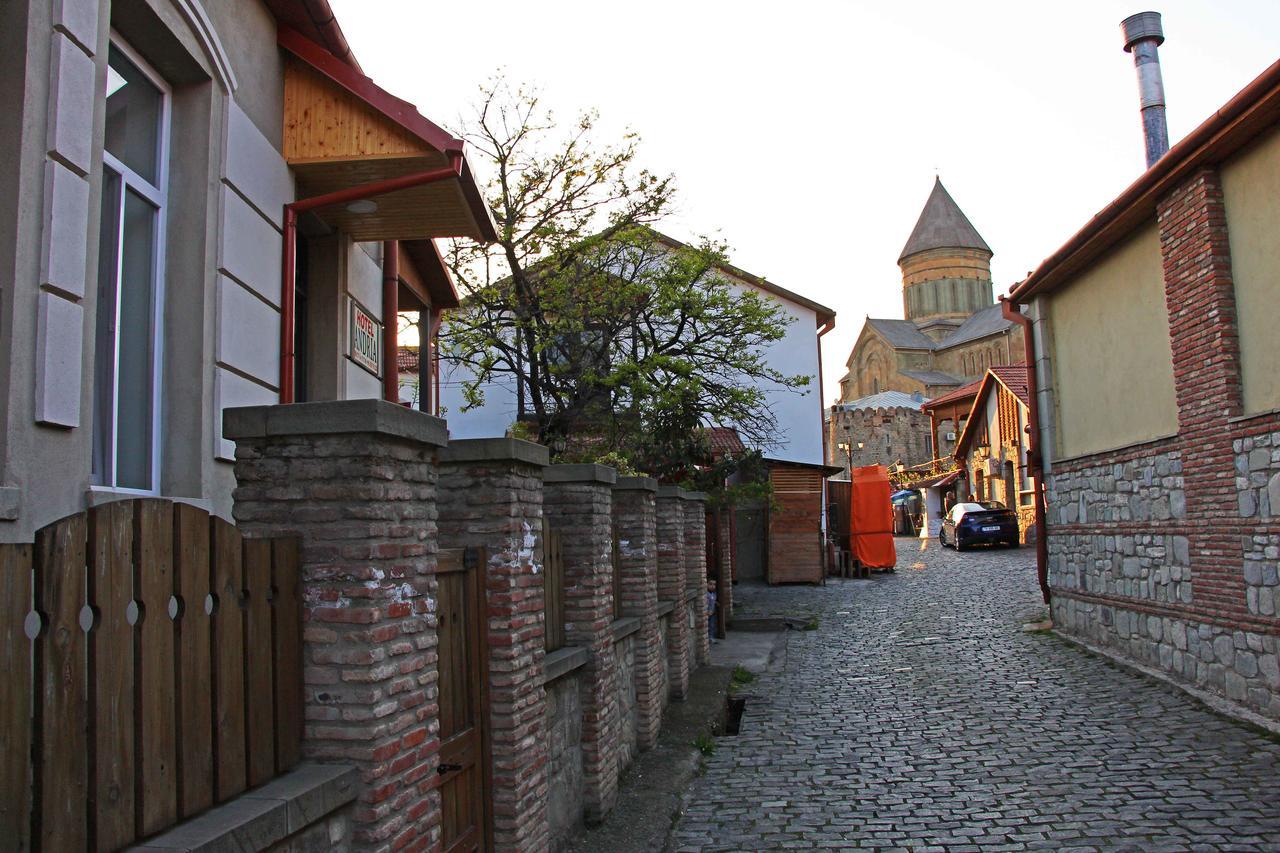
[{"x": 954, "y": 330}]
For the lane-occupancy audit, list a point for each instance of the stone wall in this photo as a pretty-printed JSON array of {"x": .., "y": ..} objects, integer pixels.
[
  {"x": 564, "y": 756},
  {"x": 624, "y": 654},
  {"x": 887, "y": 435},
  {"x": 1168, "y": 552}
]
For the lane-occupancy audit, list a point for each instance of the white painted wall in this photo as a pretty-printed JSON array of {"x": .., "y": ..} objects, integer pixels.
[{"x": 799, "y": 412}]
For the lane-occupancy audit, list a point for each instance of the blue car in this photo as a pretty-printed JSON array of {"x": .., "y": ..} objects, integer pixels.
[{"x": 986, "y": 523}]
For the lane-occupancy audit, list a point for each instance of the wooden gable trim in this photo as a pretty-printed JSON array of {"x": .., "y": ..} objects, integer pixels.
[{"x": 342, "y": 78}]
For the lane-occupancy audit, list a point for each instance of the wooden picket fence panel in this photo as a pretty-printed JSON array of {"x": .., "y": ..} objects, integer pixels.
[
  {"x": 553, "y": 587},
  {"x": 153, "y": 668}
]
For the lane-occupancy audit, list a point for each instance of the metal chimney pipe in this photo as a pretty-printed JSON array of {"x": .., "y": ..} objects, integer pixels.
[{"x": 1142, "y": 36}]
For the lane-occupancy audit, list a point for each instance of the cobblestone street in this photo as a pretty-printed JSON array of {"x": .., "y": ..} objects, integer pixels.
[{"x": 920, "y": 715}]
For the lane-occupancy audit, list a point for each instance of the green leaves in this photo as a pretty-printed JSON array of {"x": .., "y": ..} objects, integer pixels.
[{"x": 622, "y": 342}]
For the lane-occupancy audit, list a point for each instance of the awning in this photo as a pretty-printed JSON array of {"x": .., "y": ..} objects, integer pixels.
[
  {"x": 425, "y": 281},
  {"x": 940, "y": 481},
  {"x": 341, "y": 130}
]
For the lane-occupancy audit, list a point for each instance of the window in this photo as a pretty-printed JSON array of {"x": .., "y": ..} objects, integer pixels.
[{"x": 127, "y": 340}]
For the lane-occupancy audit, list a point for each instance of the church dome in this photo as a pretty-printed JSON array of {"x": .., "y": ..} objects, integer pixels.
[{"x": 942, "y": 225}]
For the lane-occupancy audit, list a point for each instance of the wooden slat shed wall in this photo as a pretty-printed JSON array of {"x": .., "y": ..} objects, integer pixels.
[{"x": 795, "y": 524}]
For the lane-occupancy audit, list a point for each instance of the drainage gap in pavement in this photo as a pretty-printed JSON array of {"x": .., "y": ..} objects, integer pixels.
[{"x": 733, "y": 708}]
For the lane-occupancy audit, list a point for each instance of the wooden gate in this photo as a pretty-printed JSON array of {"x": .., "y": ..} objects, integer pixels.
[
  {"x": 152, "y": 667},
  {"x": 464, "y": 763},
  {"x": 553, "y": 587}
]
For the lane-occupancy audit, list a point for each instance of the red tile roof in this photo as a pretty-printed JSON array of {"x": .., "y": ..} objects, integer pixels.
[
  {"x": 724, "y": 440},
  {"x": 962, "y": 393},
  {"x": 407, "y": 359},
  {"x": 1016, "y": 378}
]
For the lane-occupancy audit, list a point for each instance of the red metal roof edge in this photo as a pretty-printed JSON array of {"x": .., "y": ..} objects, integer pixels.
[
  {"x": 951, "y": 396},
  {"x": 315, "y": 18},
  {"x": 1023, "y": 392},
  {"x": 989, "y": 378},
  {"x": 824, "y": 314},
  {"x": 399, "y": 111},
  {"x": 1117, "y": 219}
]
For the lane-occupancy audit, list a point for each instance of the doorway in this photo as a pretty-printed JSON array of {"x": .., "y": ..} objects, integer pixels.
[{"x": 464, "y": 760}]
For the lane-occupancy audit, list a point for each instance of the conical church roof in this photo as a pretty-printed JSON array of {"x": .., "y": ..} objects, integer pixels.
[{"x": 942, "y": 225}]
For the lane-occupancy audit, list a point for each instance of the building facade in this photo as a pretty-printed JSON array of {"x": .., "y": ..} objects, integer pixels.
[
  {"x": 993, "y": 445},
  {"x": 161, "y": 158},
  {"x": 1158, "y": 403},
  {"x": 952, "y": 331},
  {"x": 883, "y": 429}
]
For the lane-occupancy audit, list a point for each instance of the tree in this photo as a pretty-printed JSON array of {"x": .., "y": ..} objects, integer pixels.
[{"x": 617, "y": 338}]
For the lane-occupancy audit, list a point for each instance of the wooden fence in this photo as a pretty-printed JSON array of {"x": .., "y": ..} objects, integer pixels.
[
  {"x": 152, "y": 664},
  {"x": 553, "y": 587}
]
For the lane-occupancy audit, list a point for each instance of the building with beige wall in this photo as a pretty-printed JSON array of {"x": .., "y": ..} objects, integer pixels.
[
  {"x": 952, "y": 331},
  {"x": 1156, "y": 365}
]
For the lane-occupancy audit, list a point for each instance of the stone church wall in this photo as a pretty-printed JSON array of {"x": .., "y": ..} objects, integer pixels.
[{"x": 887, "y": 435}]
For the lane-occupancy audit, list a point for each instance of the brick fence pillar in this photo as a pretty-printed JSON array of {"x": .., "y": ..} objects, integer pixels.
[
  {"x": 491, "y": 497},
  {"x": 1206, "y": 374},
  {"x": 356, "y": 482},
  {"x": 634, "y": 519},
  {"x": 694, "y": 507},
  {"x": 579, "y": 504},
  {"x": 671, "y": 588},
  {"x": 724, "y": 571}
]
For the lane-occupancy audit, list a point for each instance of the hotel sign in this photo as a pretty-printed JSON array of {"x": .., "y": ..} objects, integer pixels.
[{"x": 366, "y": 339}]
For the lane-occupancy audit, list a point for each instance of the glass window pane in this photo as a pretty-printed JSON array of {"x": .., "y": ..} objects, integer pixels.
[
  {"x": 104, "y": 362},
  {"x": 136, "y": 336},
  {"x": 133, "y": 117}
]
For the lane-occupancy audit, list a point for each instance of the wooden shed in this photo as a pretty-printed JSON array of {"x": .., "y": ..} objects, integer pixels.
[{"x": 795, "y": 546}]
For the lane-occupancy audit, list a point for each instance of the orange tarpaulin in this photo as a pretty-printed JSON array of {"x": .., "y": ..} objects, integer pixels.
[{"x": 871, "y": 518}]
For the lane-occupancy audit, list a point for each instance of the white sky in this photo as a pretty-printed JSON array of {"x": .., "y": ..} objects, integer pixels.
[{"x": 807, "y": 134}]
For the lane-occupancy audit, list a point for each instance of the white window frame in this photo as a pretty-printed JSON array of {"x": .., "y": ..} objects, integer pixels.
[{"x": 158, "y": 195}]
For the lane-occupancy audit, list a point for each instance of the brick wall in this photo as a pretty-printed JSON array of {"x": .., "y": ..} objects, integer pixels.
[
  {"x": 491, "y": 497},
  {"x": 1167, "y": 551},
  {"x": 356, "y": 482},
  {"x": 635, "y": 521},
  {"x": 695, "y": 557},
  {"x": 579, "y": 503},
  {"x": 671, "y": 587}
]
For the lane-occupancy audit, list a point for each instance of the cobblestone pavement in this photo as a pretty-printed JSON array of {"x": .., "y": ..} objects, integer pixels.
[{"x": 920, "y": 716}]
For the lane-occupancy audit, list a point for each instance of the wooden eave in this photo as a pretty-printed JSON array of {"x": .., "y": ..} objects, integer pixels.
[
  {"x": 424, "y": 275},
  {"x": 341, "y": 131}
]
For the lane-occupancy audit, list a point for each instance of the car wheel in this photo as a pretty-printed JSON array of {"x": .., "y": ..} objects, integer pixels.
[
  {"x": 959, "y": 546},
  {"x": 1013, "y": 543}
]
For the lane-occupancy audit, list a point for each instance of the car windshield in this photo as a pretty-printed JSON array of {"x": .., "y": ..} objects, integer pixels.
[
  {"x": 991, "y": 505},
  {"x": 958, "y": 511}
]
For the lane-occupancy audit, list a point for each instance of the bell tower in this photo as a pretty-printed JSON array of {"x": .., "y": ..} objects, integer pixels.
[{"x": 946, "y": 265}]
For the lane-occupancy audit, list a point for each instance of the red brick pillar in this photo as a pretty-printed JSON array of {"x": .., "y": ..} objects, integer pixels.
[
  {"x": 579, "y": 503},
  {"x": 491, "y": 497},
  {"x": 1200, "y": 297},
  {"x": 694, "y": 506},
  {"x": 634, "y": 519},
  {"x": 356, "y": 482},
  {"x": 727, "y": 559},
  {"x": 671, "y": 589}
]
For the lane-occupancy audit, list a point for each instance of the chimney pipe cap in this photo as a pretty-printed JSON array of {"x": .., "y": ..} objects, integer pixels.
[{"x": 1144, "y": 25}]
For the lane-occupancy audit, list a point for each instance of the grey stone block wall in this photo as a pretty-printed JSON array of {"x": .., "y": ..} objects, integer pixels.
[
  {"x": 1149, "y": 566},
  {"x": 1241, "y": 665},
  {"x": 1148, "y": 489},
  {"x": 564, "y": 757},
  {"x": 624, "y": 653}
]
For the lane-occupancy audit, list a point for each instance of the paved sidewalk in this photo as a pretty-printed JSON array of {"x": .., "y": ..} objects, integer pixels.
[{"x": 919, "y": 715}]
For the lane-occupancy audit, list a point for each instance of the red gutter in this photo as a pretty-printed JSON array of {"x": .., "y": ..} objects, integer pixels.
[
  {"x": 391, "y": 322},
  {"x": 1011, "y": 312},
  {"x": 289, "y": 266}
]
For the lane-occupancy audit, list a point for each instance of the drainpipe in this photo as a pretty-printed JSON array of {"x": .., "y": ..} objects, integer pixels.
[
  {"x": 822, "y": 407},
  {"x": 391, "y": 322},
  {"x": 290, "y": 244},
  {"x": 1011, "y": 312}
]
